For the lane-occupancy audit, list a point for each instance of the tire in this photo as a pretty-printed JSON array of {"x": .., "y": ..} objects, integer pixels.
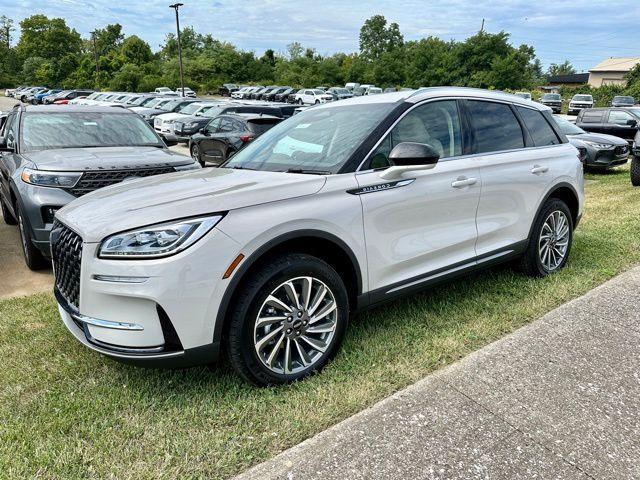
[
  {"x": 266, "y": 366},
  {"x": 317, "y": 102},
  {"x": 32, "y": 256},
  {"x": 195, "y": 154},
  {"x": 635, "y": 171},
  {"x": 534, "y": 262},
  {"x": 6, "y": 214},
  {"x": 300, "y": 101}
]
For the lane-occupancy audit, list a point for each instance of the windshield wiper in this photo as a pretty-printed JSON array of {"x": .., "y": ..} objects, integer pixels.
[{"x": 307, "y": 171}]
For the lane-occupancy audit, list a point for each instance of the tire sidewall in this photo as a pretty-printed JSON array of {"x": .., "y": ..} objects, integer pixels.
[{"x": 292, "y": 267}]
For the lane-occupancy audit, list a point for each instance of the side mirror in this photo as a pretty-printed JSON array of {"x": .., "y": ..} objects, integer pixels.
[
  {"x": 410, "y": 156},
  {"x": 202, "y": 131},
  {"x": 170, "y": 143},
  {"x": 632, "y": 123}
]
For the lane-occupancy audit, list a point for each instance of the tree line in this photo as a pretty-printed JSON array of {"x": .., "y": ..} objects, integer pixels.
[{"x": 48, "y": 52}]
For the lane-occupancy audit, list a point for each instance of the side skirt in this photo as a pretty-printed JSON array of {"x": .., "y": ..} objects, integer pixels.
[{"x": 442, "y": 275}]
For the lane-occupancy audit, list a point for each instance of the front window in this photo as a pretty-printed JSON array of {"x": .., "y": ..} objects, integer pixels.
[
  {"x": 43, "y": 131},
  {"x": 318, "y": 140},
  {"x": 583, "y": 98}
]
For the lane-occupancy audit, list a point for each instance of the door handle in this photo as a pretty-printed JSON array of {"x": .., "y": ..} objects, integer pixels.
[
  {"x": 539, "y": 169},
  {"x": 462, "y": 182}
]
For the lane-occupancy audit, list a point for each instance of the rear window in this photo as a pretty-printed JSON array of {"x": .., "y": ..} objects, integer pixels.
[
  {"x": 541, "y": 132},
  {"x": 262, "y": 125},
  {"x": 495, "y": 127},
  {"x": 592, "y": 116}
]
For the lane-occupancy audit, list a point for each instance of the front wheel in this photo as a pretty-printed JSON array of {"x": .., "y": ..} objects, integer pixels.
[
  {"x": 635, "y": 171},
  {"x": 32, "y": 256},
  {"x": 550, "y": 241},
  {"x": 288, "y": 321},
  {"x": 6, "y": 214},
  {"x": 195, "y": 154},
  {"x": 300, "y": 101}
]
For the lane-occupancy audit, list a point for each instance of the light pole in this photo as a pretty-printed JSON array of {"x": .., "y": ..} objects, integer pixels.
[
  {"x": 95, "y": 54},
  {"x": 176, "y": 6}
]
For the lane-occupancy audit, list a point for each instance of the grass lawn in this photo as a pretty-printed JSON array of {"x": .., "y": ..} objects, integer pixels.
[{"x": 66, "y": 412}]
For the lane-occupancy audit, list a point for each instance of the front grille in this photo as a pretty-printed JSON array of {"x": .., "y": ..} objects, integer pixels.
[
  {"x": 91, "y": 181},
  {"x": 621, "y": 150},
  {"x": 66, "y": 252}
]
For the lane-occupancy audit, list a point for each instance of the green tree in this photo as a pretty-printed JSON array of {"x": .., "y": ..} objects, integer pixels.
[
  {"x": 564, "y": 68},
  {"x": 376, "y": 38},
  {"x": 47, "y": 38},
  {"x": 136, "y": 51},
  {"x": 108, "y": 38}
]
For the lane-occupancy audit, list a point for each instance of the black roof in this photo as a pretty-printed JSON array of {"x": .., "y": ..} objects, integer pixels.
[{"x": 571, "y": 78}]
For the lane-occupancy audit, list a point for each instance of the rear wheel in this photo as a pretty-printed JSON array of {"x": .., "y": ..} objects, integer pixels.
[
  {"x": 32, "y": 256},
  {"x": 635, "y": 171},
  {"x": 550, "y": 242},
  {"x": 288, "y": 321}
]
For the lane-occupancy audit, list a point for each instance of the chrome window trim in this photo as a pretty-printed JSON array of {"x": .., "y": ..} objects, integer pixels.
[{"x": 457, "y": 157}]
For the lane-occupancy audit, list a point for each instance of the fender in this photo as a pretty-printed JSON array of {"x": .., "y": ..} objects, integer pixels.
[
  {"x": 251, "y": 260},
  {"x": 548, "y": 195}
]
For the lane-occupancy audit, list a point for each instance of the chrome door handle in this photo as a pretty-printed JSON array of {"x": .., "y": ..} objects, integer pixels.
[
  {"x": 462, "y": 182},
  {"x": 539, "y": 169}
]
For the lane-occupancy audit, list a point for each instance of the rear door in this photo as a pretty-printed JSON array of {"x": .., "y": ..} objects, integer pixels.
[
  {"x": 593, "y": 120},
  {"x": 518, "y": 154}
]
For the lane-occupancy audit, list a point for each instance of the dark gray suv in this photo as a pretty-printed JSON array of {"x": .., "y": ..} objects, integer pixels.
[{"x": 51, "y": 155}]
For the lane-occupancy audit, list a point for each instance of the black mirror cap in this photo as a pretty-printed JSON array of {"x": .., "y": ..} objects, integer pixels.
[
  {"x": 411, "y": 153},
  {"x": 170, "y": 143},
  {"x": 632, "y": 123}
]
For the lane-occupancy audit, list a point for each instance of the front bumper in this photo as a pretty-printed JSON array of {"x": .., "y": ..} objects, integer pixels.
[{"x": 157, "y": 312}]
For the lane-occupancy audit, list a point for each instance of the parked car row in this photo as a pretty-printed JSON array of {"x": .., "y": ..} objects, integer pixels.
[{"x": 300, "y": 96}]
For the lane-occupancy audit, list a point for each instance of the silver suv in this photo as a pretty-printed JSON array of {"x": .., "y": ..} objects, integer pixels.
[{"x": 344, "y": 206}]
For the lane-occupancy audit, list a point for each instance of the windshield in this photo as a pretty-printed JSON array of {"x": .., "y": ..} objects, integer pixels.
[
  {"x": 170, "y": 106},
  {"x": 316, "y": 140},
  {"x": 191, "y": 108},
  {"x": 624, "y": 99},
  {"x": 211, "y": 112},
  {"x": 551, "y": 96},
  {"x": 583, "y": 98},
  {"x": 567, "y": 127},
  {"x": 42, "y": 131},
  {"x": 635, "y": 111}
]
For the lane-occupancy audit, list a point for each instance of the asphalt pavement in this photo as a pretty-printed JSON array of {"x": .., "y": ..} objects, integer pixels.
[{"x": 558, "y": 399}]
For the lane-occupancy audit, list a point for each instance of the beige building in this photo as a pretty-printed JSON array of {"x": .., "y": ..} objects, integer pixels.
[{"x": 611, "y": 71}]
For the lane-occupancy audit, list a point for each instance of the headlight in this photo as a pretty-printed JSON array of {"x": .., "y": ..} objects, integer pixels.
[
  {"x": 599, "y": 146},
  {"x": 50, "y": 179},
  {"x": 157, "y": 240},
  {"x": 190, "y": 125}
]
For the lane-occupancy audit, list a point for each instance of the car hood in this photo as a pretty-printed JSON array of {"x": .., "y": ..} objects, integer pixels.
[
  {"x": 600, "y": 138},
  {"x": 78, "y": 159},
  {"x": 148, "y": 111},
  {"x": 163, "y": 198}
]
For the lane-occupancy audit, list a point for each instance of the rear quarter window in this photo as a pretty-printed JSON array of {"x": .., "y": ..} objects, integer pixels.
[
  {"x": 495, "y": 127},
  {"x": 541, "y": 132}
]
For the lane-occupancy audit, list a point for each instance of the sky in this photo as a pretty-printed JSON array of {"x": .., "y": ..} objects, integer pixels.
[{"x": 584, "y": 32}]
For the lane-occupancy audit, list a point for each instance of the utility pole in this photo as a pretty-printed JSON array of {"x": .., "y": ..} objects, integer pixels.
[
  {"x": 95, "y": 54},
  {"x": 176, "y": 6},
  {"x": 482, "y": 27}
]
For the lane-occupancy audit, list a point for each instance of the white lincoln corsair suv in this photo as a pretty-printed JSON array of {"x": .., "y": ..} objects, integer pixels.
[{"x": 341, "y": 207}]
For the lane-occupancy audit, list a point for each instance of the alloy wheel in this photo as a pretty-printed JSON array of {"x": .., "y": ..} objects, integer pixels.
[
  {"x": 553, "y": 243},
  {"x": 295, "y": 325},
  {"x": 195, "y": 153},
  {"x": 23, "y": 235}
]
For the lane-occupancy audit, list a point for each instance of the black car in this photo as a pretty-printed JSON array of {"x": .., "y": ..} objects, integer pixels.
[
  {"x": 291, "y": 98},
  {"x": 553, "y": 101},
  {"x": 226, "y": 134},
  {"x": 49, "y": 156},
  {"x": 257, "y": 95},
  {"x": 271, "y": 96},
  {"x": 187, "y": 127},
  {"x": 602, "y": 151},
  {"x": 227, "y": 89},
  {"x": 621, "y": 122},
  {"x": 282, "y": 96},
  {"x": 623, "y": 101}
]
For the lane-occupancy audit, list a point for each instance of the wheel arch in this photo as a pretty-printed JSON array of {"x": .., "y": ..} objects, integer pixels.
[
  {"x": 323, "y": 245},
  {"x": 567, "y": 193}
]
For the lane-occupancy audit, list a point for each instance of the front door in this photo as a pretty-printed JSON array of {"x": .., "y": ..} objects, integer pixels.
[
  {"x": 621, "y": 124},
  {"x": 424, "y": 223}
]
